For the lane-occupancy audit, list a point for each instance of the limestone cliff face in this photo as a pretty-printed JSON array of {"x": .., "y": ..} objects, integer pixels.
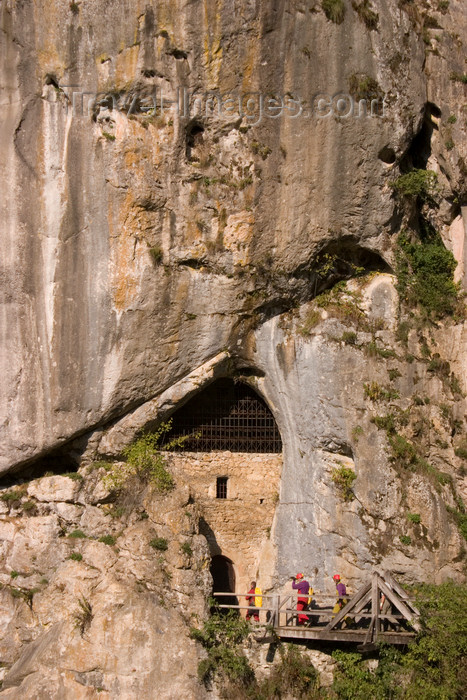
[
  {"x": 92, "y": 324},
  {"x": 101, "y": 596},
  {"x": 148, "y": 249}
]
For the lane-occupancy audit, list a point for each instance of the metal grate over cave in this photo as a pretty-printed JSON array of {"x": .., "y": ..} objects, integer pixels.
[{"x": 227, "y": 415}]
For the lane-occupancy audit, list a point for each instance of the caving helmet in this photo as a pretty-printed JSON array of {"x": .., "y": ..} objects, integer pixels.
[
  {"x": 336, "y": 577},
  {"x": 299, "y": 576}
]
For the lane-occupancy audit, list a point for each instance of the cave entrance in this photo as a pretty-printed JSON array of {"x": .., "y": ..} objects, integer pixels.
[
  {"x": 223, "y": 579},
  {"x": 227, "y": 415}
]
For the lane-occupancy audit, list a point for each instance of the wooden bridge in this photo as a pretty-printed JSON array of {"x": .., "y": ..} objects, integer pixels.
[{"x": 364, "y": 619}]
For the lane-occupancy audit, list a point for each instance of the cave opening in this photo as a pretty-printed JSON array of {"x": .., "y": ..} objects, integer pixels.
[{"x": 227, "y": 415}]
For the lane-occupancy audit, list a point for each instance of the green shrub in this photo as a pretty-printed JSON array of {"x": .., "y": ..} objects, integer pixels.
[
  {"x": 145, "y": 461},
  {"x": 387, "y": 423},
  {"x": 108, "y": 136},
  {"x": 222, "y": 637},
  {"x": 293, "y": 677},
  {"x": 431, "y": 668},
  {"x": 343, "y": 478},
  {"x": 425, "y": 272},
  {"x": 159, "y": 543},
  {"x": 413, "y": 518},
  {"x": 74, "y": 7},
  {"x": 403, "y": 452},
  {"x": 29, "y": 507},
  {"x": 107, "y": 539},
  {"x": 405, "y": 539},
  {"x": 417, "y": 183},
  {"x": 394, "y": 374},
  {"x": 14, "y": 574},
  {"x": 11, "y": 497},
  {"x": 334, "y": 10},
  {"x": 452, "y": 119},
  {"x": 460, "y": 516},
  {"x": 186, "y": 549},
  {"x": 76, "y": 556},
  {"x": 77, "y": 534}
]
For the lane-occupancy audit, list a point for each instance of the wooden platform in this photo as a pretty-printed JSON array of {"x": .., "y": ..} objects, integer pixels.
[{"x": 364, "y": 620}]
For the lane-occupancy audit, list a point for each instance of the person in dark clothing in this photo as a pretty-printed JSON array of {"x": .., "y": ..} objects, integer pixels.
[
  {"x": 252, "y": 611},
  {"x": 299, "y": 584}
]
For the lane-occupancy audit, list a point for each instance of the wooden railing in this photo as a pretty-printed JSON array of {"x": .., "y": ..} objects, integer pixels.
[{"x": 361, "y": 619}]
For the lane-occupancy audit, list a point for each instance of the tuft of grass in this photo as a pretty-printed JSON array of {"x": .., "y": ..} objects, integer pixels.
[
  {"x": 14, "y": 574},
  {"x": 349, "y": 338},
  {"x": 107, "y": 539},
  {"x": 312, "y": 319},
  {"x": 83, "y": 615},
  {"x": 76, "y": 556},
  {"x": 107, "y": 136},
  {"x": 186, "y": 549},
  {"x": 413, "y": 518},
  {"x": 74, "y": 7},
  {"x": 77, "y": 535},
  {"x": 356, "y": 432},
  {"x": 75, "y": 476},
  {"x": 159, "y": 543},
  {"x": 458, "y": 77},
  {"x": 367, "y": 15},
  {"x": 364, "y": 87},
  {"x": 334, "y": 10},
  {"x": 394, "y": 374},
  {"x": 405, "y": 539},
  {"x": 156, "y": 254},
  {"x": 375, "y": 392}
]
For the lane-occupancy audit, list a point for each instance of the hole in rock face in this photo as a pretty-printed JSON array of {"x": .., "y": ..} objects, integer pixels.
[
  {"x": 194, "y": 138},
  {"x": 227, "y": 415},
  {"x": 419, "y": 151},
  {"x": 387, "y": 155}
]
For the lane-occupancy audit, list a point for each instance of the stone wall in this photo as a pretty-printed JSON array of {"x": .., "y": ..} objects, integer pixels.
[{"x": 239, "y": 526}]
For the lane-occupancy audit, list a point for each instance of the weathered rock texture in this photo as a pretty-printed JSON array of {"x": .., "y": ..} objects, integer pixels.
[
  {"x": 82, "y": 616},
  {"x": 146, "y": 253}
]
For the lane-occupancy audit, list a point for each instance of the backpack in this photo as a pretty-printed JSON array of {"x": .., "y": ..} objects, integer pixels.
[
  {"x": 258, "y": 598},
  {"x": 310, "y": 595}
]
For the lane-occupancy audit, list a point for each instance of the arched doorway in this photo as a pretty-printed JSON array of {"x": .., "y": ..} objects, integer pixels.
[{"x": 223, "y": 578}]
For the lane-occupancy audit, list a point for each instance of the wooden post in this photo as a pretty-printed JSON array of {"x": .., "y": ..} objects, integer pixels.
[{"x": 375, "y": 605}]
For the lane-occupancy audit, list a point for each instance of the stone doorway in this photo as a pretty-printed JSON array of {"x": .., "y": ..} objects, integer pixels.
[{"x": 223, "y": 578}]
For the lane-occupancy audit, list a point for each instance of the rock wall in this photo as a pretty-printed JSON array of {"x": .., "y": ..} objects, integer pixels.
[
  {"x": 132, "y": 257},
  {"x": 89, "y": 588}
]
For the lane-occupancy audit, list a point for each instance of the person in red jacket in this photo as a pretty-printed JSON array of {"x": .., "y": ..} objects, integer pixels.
[
  {"x": 252, "y": 611},
  {"x": 299, "y": 584}
]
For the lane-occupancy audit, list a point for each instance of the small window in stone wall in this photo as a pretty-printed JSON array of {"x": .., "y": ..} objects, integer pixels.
[
  {"x": 221, "y": 487},
  {"x": 227, "y": 415}
]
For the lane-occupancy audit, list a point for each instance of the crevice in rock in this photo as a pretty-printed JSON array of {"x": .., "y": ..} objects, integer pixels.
[{"x": 419, "y": 151}]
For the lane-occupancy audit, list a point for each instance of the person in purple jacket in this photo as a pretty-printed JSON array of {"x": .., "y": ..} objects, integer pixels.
[
  {"x": 341, "y": 594},
  {"x": 299, "y": 584}
]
